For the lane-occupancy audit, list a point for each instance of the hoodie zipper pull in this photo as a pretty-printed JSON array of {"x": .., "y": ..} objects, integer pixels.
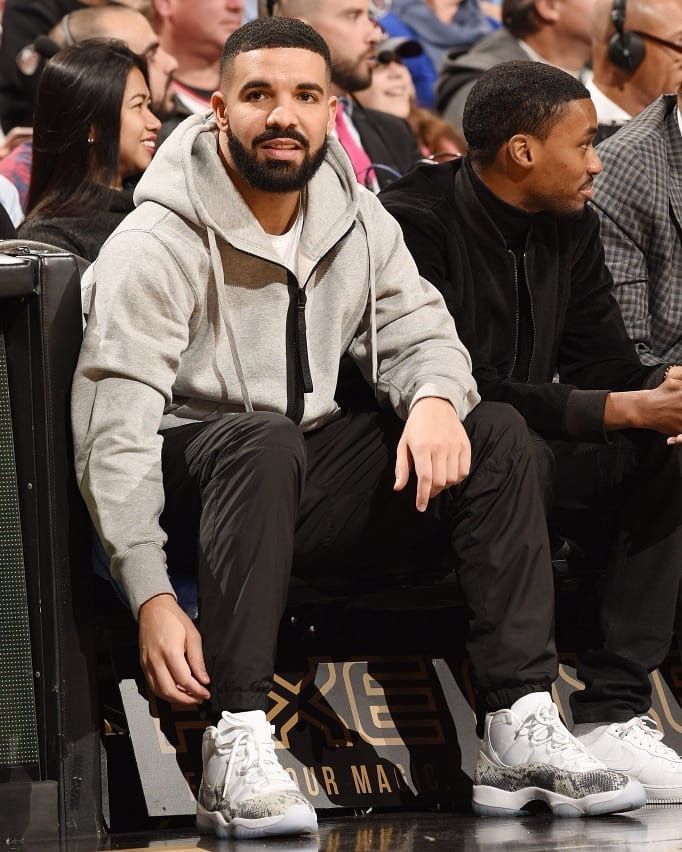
[{"x": 303, "y": 341}]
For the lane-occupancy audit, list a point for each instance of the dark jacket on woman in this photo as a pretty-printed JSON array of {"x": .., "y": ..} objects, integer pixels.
[
  {"x": 528, "y": 312},
  {"x": 82, "y": 235}
]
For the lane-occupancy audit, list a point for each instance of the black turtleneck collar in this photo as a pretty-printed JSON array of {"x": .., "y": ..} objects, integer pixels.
[{"x": 514, "y": 223}]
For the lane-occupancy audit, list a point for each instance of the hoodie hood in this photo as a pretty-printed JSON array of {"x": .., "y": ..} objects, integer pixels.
[{"x": 187, "y": 178}]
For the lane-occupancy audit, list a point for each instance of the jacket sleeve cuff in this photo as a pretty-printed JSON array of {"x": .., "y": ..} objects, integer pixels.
[
  {"x": 584, "y": 415},
  {"x": 142, "y": 572},
  {"x": 462, "y": 399}
]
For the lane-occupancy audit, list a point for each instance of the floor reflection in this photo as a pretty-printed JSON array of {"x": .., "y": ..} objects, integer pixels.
[
  {"x": 659, "y": 828},
  {"x": 654, "y": 828}
]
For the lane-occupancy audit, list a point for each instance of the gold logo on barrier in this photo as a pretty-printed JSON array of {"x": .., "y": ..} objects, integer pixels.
[{"x": 389, "y": 700}]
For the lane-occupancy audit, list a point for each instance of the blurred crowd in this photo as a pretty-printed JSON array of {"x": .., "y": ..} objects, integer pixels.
[{"x": 403, "y": 72}]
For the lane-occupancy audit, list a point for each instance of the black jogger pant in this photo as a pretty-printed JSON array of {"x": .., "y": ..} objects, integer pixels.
[
  {"x": 621, "y": 503},
  {"x": 252, "y": 492}
]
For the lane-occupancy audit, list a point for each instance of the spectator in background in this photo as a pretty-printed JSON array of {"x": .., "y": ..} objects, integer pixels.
[
  {"x": 194, "y": 32},
  {"x": 392, "y": 90},
  {"x": 440, "y": 26},
  {"x": 558, "y": 33},
  {"x": 20, "y": 62},
  {"x": 638, "y": 197},
  {"x": 92, "y": 133},
  {"x": 104, "y": 22},
  {"x": 134, "y": 29},
  {"x": 637, "y": 56},
  {"x": 380, "y": 145}
]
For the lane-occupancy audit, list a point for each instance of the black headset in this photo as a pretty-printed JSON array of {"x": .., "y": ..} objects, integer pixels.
[{"x": 626, "y": 49}]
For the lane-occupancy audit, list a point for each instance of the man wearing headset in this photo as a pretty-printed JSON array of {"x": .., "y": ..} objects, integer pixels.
[
  {"x": 381, "y": 147},
  {"x": 637, "y": 56}
]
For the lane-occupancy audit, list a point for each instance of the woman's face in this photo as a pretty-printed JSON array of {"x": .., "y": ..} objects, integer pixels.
[
  {"x": 391, "y": 91},
  {"x": 139, "y": 127}
]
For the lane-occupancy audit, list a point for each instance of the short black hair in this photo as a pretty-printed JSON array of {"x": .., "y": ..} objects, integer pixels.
[
  {"x": 515, "y": 97},
  {"x": 264, "y": 33},
  {"x": 520, "y": 17}
]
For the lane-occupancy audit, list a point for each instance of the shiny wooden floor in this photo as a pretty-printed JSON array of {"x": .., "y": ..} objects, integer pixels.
[{"x": 652, "y": 828}]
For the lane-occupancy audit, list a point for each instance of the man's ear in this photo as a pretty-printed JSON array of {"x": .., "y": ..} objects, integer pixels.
[
  {"x": 549, "y": 11},
  {"x": 520, "y": 151},
  {"x": 219, "y": 108}
]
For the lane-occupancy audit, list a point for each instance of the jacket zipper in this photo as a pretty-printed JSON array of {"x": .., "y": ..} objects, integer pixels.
[
  {"x": 532, "y": 316},
  {"x": 303, "y": 380},
  {"x": 517, "y": 318},
  {"x": 303, "y": 376}
]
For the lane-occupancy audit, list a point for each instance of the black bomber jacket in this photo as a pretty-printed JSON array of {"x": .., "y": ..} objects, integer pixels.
[{"x": 577, "y": 332}]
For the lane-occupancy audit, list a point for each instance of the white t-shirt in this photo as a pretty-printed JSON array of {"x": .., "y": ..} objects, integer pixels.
[{"x": 286, "y": 245}]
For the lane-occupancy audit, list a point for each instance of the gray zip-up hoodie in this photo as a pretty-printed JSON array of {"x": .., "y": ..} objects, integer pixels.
[{"x": 193, "y": 317}]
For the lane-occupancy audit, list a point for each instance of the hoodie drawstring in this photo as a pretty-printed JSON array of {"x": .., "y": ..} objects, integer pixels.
[
  {"x": 219, "y": 275},
  {"x": 374, "y": 345}
]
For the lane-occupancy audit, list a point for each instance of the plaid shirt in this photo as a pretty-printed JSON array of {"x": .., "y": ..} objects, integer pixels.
[{"x": 638, "y": 197}]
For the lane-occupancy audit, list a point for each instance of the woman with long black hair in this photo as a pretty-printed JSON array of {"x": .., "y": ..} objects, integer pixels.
[{"x": 94, "y": 133}]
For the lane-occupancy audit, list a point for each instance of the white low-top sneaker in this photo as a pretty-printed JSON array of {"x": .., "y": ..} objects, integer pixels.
[
  {"x": 244, "y": 791},
  {"x": 635, "y": 747},
  {"x": 528, "y": 755}
]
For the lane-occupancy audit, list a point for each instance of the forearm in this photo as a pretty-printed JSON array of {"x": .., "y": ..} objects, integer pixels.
[
  {"x": 656, "y": 407},
  {"x": 626, "y": 410}
]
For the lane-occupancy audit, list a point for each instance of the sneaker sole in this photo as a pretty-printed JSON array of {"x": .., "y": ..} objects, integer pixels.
[
  {"x": 663, "y": 795},
  {"x": 298, "y": 819},
  {"x": 491, "y": 801}
]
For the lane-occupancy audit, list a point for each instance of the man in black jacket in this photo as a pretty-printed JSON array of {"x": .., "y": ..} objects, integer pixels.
[{"x": 506, "y": 235}]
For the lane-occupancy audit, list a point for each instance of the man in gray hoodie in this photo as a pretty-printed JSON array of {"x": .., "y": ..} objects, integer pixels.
[{"x": 206, "y": 432}]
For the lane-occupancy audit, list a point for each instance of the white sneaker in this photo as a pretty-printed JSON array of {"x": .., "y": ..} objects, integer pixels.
[
  {"x": 528, "y": 755},
  {"x": 635, "y": 747},
  {"x": 244, "y": 791}
]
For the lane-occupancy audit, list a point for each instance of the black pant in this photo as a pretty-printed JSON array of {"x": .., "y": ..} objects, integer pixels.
[
  {"x": 621, "y": 504},
  {"x": 253, "y": 492}
]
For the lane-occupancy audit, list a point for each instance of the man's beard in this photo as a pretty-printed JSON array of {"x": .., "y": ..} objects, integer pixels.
[
  {"x": 275, "y": 175},
  {"x": 348, "y": 77}
]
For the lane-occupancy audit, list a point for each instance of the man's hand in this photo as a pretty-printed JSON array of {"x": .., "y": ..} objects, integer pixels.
[
  {"x": 659, "y": 409},
  {"x": 435, "y": 444},
  {"x": 170, "y": 652}
]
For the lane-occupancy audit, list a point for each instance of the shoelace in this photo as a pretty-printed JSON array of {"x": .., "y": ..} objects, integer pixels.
[
  {"x": 545, "y": 726},
  {"x": 260, "y": 767},
  {"x": 643, "y": 731}
]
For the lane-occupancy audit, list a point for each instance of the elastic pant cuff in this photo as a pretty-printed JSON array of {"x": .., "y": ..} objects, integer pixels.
[{"x": 239, "y": 700}]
